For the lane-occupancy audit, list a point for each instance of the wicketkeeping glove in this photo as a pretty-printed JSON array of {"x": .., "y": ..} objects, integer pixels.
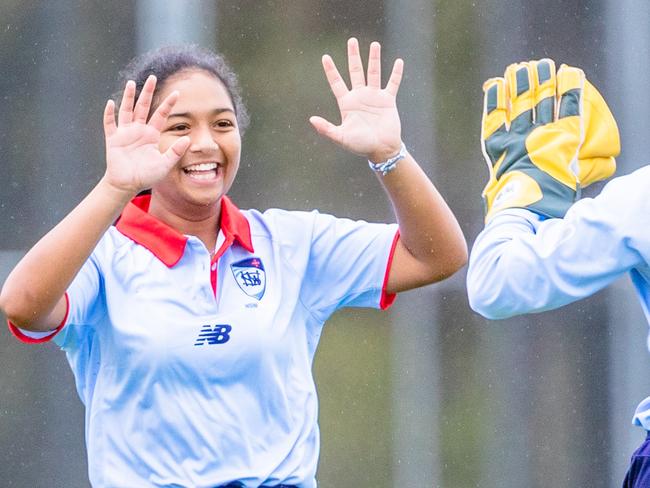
[{"x": 545, "y": 135}]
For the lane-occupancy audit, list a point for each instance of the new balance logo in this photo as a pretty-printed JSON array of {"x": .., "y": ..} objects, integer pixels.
[{"x": 217, "y": 334}]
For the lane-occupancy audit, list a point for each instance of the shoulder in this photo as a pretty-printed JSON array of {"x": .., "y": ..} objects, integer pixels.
[
  {"x": 282, "y": 224},
  {"x": 111, "y": 246},
  {"x": 296, "y": 227}
]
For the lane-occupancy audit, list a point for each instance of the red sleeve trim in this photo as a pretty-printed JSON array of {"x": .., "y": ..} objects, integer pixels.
[
  {"x": 31, "y": 340},
  {"x": 387, "y": 299}
]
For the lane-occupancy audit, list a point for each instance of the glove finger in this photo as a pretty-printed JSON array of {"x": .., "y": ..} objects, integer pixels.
[
  {"x": 544, "y": 83},
  {"x": 495, "y": 116},
  {"x": 570, "y": 86},
  {"x": 519, "y": 84},
  {"x": 570, "y": 83},
  {"x": 495, "y": 106},
  {"x": 602, "y": 140}
]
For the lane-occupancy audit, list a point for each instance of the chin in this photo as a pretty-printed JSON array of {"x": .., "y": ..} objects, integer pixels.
[{"x": 210, "y": 201}]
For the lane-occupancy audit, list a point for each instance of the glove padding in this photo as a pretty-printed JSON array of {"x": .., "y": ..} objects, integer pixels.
[{"x": 539, "y": 156}]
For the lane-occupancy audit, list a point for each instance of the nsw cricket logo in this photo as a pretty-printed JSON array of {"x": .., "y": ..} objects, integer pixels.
[{"x": 250, "y": 276}]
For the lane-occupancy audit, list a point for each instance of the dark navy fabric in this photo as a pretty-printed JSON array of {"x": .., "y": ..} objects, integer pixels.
[{"x": 638, "y": 476}]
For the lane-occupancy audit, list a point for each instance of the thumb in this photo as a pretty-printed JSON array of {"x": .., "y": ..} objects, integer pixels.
[
  {"x": 325, "y": 128},
  {"x": 176, "y": 151}
]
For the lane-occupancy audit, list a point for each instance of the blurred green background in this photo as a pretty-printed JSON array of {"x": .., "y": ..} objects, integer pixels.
[{"x": 427, "y": 394}]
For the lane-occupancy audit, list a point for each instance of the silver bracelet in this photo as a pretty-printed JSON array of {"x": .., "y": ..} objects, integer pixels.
[{"x": 389, "y": 165}]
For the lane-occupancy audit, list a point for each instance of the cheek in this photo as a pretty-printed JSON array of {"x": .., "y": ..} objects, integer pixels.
[
  {"x": 235, "y": 160},
  {"x": 233, "y": 148}
]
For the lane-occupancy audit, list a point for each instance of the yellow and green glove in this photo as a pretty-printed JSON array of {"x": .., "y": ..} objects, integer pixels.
[{"x": 545, "y": 135}]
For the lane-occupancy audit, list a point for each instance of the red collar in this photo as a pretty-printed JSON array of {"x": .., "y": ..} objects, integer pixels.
[{"x": 166, "y": 243}]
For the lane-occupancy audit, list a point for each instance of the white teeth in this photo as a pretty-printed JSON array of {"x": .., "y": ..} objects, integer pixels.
[
  {"x": 201, "y": 167},
  {"x": 202, "y": 176}
]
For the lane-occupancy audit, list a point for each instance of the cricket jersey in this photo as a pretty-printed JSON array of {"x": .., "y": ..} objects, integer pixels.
[
  {"x": 522, "y": 262},
  {"x": 196, "y": 371}
]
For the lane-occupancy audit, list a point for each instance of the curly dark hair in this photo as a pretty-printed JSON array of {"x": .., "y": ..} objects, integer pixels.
[{"x": 167, "y": 61}]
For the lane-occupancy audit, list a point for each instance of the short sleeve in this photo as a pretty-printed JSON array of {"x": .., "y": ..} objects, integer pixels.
[
  {"x": 82, "y": 302},
  {"x": 348, "y": 264},
  {"x": 85, "y": 304}
]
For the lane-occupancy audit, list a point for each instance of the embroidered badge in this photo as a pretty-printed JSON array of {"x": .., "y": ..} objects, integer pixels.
[{"x": 250, "y": 276}]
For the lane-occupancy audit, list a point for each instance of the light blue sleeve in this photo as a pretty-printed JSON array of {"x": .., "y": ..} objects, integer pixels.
[
  {"x": 521, "y": 263},
  {"x": 347, "y": 265},
  {"x": 85, "y": 306}
]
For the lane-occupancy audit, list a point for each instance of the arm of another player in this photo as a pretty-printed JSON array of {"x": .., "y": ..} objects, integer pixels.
[
  {"x": 538, "y": 158},
  {"x": 523, "y": 263},
  {"x": 431, "y": 246},
  {"x": 32, "y": 297}
]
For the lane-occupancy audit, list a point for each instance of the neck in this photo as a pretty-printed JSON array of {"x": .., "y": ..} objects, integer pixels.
[{"x": 202, "y": 222}]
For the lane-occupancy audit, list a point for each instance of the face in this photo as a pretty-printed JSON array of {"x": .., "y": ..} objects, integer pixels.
[{"x": 205, "y": 113}]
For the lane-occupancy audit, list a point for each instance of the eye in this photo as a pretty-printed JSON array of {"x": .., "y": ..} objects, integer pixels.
[
  {"x": 224, "y": 123},
  {"x": 178, "y": 127}
]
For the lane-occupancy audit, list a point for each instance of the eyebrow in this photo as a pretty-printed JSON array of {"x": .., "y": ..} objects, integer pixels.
[{"x": 216, "y": 111}]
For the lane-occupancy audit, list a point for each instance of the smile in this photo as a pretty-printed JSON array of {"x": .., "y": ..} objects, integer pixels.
[{"x": 202, "y": 171}]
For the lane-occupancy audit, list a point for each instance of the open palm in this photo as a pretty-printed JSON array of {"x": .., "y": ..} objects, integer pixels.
[
  {"x": 370, "y": 124},
  {"x": 133, "y": 159}
]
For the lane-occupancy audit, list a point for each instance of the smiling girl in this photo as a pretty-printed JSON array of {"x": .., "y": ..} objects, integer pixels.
[{"x": 191, "y": 325}]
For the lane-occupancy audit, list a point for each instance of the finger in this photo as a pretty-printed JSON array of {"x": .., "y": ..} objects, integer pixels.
[
  {"x": 374, "y": 65},
  {"x": 109, "y": 119},
  {"x": 357, "y": 78},
  {"x": 570, "y": 83},
  {"x": 159, "y": 117},
  {"x": 544, "y": 90},
  {"x": 125, "y": 114},
  {"x": 333, "y": 76},
  {"x": 395, "y": 79},
  {"x": 518, "y": 82},
  {"x": 325, "y": 128},
  {"x": 176, "y": 151},
  {"x": 143, "y": 105}
]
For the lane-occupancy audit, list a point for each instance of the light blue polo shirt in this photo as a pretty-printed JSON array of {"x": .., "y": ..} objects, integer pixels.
[
  {"x": 522, "y": 263},
  {"x": 197, "y": 372}
]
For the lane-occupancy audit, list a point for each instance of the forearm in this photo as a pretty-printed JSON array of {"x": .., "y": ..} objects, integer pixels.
[
  {"x": 521, "y": 264},
  {"x": 429, "y": 232},
  {"x": 506, "y": 274},
  {"x": 39, "y": 281}
]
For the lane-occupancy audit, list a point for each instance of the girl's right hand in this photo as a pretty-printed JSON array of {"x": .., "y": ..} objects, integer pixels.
[{"x": 133, "y": 159}]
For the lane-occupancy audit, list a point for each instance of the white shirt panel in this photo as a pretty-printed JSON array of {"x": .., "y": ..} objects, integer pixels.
[{"x": 182, "y": 388}]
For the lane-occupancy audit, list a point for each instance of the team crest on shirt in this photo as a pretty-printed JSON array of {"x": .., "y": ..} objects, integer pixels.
[{"x": 250, "y": 276}]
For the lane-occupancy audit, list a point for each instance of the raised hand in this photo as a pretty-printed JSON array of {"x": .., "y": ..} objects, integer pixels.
[
  {"x": 133, "y": 159},
  {"x": 370, "y": 125}
]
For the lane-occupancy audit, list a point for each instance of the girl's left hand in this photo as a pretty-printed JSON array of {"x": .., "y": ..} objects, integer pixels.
[{"x": 370, "y": 125}]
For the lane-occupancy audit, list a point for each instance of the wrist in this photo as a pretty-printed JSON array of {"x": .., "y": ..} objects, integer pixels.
[
  {"x": 385, "y": 166},
  {"x": 385, "y": 154},
  {"x": 118, "y": 195}
]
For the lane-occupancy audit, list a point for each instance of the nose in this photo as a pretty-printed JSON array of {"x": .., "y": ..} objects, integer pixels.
[{"x": 203, "y": 140}]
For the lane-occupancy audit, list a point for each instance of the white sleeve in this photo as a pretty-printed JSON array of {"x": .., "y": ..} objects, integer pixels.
[
  {"x": 522, "y": 263},
  {"x": 81, "y": 307},
  {"x": 348, "y": 264}
]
